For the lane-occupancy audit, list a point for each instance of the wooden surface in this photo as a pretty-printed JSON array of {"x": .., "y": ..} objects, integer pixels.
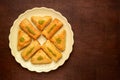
[{"x": 96, "y": 51}]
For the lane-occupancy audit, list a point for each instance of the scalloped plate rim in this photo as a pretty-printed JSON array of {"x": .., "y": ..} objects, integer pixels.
[{"x": 10, "y": 44}]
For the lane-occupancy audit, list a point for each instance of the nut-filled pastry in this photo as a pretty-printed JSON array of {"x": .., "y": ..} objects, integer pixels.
[
  {"x": 23, "y": 40},
  {"x": 59, "y": 40},
  {"x": 26, "y": 26},
  {"x": 40, "y": 57},
  {"x": 52, "y": 28},
  {"x": 51, "y": 51},
  {"x": 41, "y": 22},
  {"x": 30, "y": 50}
]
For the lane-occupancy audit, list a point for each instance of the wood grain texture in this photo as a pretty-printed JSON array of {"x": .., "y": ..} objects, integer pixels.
[{"x": 96, "y": 52}]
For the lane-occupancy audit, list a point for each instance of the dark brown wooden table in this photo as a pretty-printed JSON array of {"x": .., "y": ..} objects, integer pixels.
[{"x": 96, "y": 51}]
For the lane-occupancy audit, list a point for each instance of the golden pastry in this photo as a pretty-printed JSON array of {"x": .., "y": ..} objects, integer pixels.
[
  {"x": 29, "y": 51},
  {"x": 26, "y": 26},
  {"x": 23, "y": 40},
  {"x": 40, "y": 57},
  {"x": 52, "y": 28},
  {"x": 41, "y": 22},
  {"x": 51, "y": 51},
  {"x": 59, "y": 40}
]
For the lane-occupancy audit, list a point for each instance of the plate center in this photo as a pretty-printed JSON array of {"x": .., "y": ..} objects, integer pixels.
[{"x": 42, "y": 39}]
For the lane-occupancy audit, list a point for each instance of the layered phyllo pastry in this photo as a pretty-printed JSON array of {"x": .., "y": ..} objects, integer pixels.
[
  {"x": 23, "y": 40},
  {"x": 29, "y": 39},
  {"x": 52, "y": 28},
  {"x": 30, "y": 50},
  {"x": 41, "y": 22},
  {"x": 59, "y": 40},
  {"x": 26, "y": 26},
  {"x": 51, "y": 51},
  {"x": 40, "y": 57}
]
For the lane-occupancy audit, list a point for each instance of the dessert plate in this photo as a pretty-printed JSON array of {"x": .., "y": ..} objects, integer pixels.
[{"x": 42, "y": 11}]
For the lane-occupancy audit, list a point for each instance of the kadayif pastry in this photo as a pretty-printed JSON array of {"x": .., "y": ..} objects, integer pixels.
[
  {"x": 26, "y": 26},
  {"x": 40, "y": 57},
  {"x": 51, "y": 51},
  {"x": 30, "y": 50},
  {"x": 59, "y": 40},
  {"x": 41, "y": 22},
  {"x": 23, "y": 40},
  {"x": 52, "y": 28}
]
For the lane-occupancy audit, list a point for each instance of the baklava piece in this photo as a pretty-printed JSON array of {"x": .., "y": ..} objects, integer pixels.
[
  {"x": 52, "y": 28},
  {"x": 59, "y": 40},
  {"x": 23, "y": 40},
  {"x": 40, "y": 57},
  {"x": 41, "y": 22},
  {"x": 51, "y": 51},
  {"x": 30, "y": 50},
  {"x": 26, "y": 26}
]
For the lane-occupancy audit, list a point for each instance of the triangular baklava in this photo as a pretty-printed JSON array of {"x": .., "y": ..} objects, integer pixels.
[
  {"x": 51, "y": 51},
  {"x": 40, "y": 57},
  {"x": 23, "y": 40},
  {"x": 52, "y": 28},
  {"x": 59, "y": 40},
  {"x": 26, "y": 26},
  {"x": 30, "y": 50},
  {"x": 41, "y": 22}
]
